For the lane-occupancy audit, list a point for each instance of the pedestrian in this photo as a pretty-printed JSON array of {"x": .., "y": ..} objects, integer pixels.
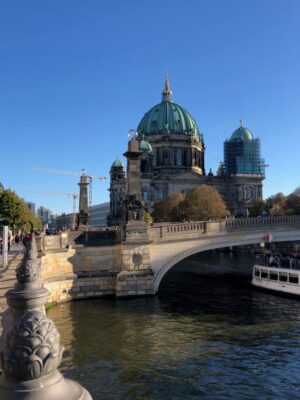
[{"x": 9, "y": 240}]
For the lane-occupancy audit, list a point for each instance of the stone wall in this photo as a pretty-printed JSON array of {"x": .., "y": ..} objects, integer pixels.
[{"x": 80, "y": 272}]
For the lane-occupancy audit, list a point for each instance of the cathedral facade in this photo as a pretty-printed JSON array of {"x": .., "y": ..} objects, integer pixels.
[{"x": 173, "y": 160}]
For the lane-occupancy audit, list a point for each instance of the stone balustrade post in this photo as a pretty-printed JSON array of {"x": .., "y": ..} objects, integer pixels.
[{"x": 31, "y": 344}]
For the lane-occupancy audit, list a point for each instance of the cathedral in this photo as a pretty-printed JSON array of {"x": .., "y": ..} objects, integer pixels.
[{"x": 173, "y": 160}]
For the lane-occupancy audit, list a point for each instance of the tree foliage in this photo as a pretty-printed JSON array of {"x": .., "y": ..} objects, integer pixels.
[
  {"x": 15, "y": 213},
  {"x": 276, "y": 204},
  {"x": 201, "y": 203},
  {"x": 204, "y": 202},
  {"x": 293, "y": 204},
  {"x": 12, "y": 209},
  {"x": 279, "y": 204},
  {"x": 163, "y": 210},
  {"x": 258, "y": 207}
]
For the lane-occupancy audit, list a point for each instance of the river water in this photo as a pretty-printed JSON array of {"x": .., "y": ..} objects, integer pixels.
[{"x": 208, "y": 335}]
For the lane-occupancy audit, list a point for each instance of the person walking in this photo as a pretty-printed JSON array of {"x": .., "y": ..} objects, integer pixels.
[{"x": 9, "y": 240}]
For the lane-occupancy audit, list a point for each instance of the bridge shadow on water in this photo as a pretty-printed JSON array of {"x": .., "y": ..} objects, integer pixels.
[{"x": 219, "y": 284}]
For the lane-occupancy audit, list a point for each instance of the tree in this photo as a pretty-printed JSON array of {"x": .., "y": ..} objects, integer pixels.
[
  {"x": 13, "y": 211},
  {"x": 33, "y": 221},
  {"x": 297, "y": 190},
  {"x": 163, "y": 210},
  {"x": 203, "y": 203},
  {"x": 258, "y": 206},
  {"x": 293, "y": 204},
  {"x": 276, "y": 204}
]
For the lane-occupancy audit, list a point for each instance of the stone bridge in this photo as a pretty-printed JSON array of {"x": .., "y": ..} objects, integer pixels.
[
  {"x": 172, "y": 243},
  {"x": 133, "y": 259}
]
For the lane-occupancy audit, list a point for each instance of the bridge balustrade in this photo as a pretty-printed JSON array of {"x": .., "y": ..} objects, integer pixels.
[
  {"x": 236, "y": 224},
  {"x": 169, "y": 231}
]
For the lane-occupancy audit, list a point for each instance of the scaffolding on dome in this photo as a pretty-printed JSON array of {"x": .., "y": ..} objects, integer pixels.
[{"x": 243, "y": 158}]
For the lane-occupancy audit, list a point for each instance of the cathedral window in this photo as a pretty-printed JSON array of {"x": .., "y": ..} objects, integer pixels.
[
  {"x": 179, "y": 157},
  {"x": 154, "y": 154},
  {"x": 184, "y": 161}
]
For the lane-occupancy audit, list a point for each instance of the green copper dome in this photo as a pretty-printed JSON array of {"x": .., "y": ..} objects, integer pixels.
[
  {"x": 144, "y": 145},
  {"x": 117, "y": 164},
  {"x": 167, "y": 117},
  {"x": 242, "y": 133}
]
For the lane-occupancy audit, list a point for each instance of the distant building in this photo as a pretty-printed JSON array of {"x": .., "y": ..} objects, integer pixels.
[
  {"x": 98, "y": 215},
  {"x": 64, "y": 222},
  {"x": 173, "y": 161},
  {"x": 31, "y": 206},
  {"x": 45, "y": 214},
  {"x": 98, "y": 218}
]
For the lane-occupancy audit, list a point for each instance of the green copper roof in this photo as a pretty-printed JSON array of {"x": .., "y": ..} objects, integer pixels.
[
  {"x": 144, "y": 145},
  {"x": 242, "y": 133},
  {"x": 117, "y": 164},
  {"x": 167, "y": 117}
]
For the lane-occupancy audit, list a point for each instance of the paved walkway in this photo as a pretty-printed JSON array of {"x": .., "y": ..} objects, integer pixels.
[{"x": 8, "y": 278}]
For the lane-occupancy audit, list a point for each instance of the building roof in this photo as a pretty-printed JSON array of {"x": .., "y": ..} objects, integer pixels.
[
  {"x": 242, "y": 133},
  {"x": 144, "y": 145},
  {"x": 117, "y": 164},
  {"x": 167, "y": 117}
]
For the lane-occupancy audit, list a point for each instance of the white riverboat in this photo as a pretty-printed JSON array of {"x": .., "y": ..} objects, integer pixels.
[{"x": 277, "y": 273}]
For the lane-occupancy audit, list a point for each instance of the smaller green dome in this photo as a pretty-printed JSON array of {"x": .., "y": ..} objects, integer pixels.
[
  {"x": 242, "y": 133},
  {"x": 144, "y": 145},
  {"x": 117, "y": 164}
]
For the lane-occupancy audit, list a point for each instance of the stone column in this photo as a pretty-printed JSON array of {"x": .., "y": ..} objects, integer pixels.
[
  {"x": 136, "y": 276},
  {"x": 83, "y": 216},
  {"x": 31, "y": 345}
]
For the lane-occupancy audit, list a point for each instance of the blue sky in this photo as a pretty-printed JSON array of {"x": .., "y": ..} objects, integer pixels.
[{"x": 76, "y": 75}]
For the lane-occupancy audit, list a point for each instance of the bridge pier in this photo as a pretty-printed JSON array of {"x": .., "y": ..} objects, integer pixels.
[{"x": 136, "y": 277}]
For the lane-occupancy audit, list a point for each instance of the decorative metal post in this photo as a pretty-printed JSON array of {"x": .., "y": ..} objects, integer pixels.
[{"x": 31, "y": 345}]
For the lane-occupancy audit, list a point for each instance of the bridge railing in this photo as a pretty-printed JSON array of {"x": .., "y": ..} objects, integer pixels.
[
  {"x": 242, "y": 223},
  {"x": 169, "y": 231}
]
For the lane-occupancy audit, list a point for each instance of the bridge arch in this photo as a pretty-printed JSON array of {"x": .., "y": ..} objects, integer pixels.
[{"x": 205, "y": 245}]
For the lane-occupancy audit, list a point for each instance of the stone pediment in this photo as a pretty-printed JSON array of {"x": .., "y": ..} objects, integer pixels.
[{"x": 186, "y": 176}]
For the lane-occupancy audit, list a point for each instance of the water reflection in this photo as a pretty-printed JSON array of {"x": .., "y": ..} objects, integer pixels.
[{"x": 204, "y": 336}]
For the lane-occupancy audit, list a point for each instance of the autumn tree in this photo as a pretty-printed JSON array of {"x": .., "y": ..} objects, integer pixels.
[
  {"x": 203, "y": 203},
  {"x": 163, "y": 210},
  {"x": 293, "y": 204},
  {"x": 257, "y": 207},
  {"x": 276, "y": 204}
]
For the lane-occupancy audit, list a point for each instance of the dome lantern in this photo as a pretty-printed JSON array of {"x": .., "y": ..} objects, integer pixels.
[{"x": 167, "y": 92}]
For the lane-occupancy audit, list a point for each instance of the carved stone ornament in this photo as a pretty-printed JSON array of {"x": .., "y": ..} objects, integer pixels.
[
  {"x": 29, "y": 269},
  {"x": 31, "y": 348},
  {"x": 137, "y": 259}
]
